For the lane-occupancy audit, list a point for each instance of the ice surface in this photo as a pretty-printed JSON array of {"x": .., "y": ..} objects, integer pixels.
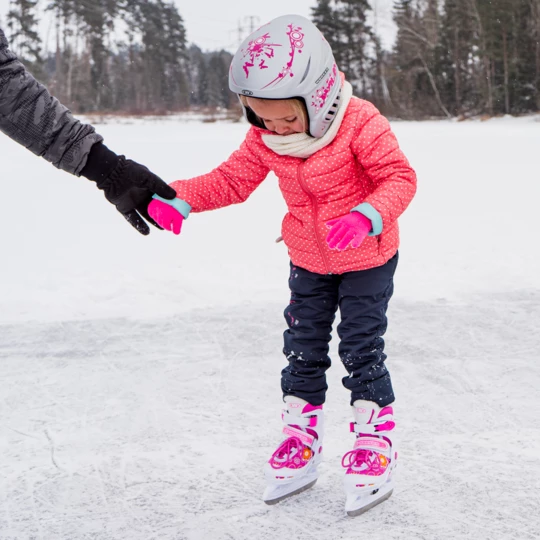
[{"x": 140, "y": 376}]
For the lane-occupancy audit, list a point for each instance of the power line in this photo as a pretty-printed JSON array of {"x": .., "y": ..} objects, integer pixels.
[{"x": 250, "y": 28}]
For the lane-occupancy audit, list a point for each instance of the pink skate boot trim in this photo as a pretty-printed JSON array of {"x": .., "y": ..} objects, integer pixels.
[
  {"x": 310, "y": 408},
  {"x": 293, "y": 416},
  {"x": 383, "y": 422},
  {"x": 384, "y": 411},
  {"x": 291, "y": 454},
  {"x": 387, "y": 426},
  {"x": 299, "y": 434},
  {"x": 368, "y": 442}
]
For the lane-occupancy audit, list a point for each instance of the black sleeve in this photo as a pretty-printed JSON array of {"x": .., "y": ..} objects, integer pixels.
[{"x": 37, "y": 120}]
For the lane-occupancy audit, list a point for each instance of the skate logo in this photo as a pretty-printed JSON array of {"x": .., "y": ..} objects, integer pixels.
[
  {"x": 371, "y": 443},
  {"x": 304, "y": 437},
  {"x": 360, "y": 410}
]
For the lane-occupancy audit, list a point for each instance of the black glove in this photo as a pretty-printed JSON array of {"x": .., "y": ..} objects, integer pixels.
[{"x": 126, "y": 184}]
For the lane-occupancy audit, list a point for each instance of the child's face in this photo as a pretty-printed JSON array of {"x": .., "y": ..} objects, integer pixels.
[{"x": 278, "y": 116}]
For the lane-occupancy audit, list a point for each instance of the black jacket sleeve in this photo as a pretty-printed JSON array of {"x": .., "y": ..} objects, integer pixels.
[{"x": 37, "y": 120}]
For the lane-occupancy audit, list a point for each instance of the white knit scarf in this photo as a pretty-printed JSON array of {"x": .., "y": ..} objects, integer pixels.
[{"x": 301, "y": 144}]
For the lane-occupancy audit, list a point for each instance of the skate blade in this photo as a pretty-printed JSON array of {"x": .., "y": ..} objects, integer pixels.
[
  {"x": 358, "y": 505},
  {"x": 275, "y": 494}
]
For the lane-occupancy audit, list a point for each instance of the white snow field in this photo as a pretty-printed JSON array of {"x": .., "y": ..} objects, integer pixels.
[{"x": 139, "y": 377}]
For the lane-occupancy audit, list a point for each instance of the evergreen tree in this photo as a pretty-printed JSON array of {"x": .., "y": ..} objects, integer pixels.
[
  {"x": 97, "y": 20},
  {"x": 209, "y": 79},
  {"x": 380, "y": 94},
  {"x": 353, "y": 38},
  {"x": 217, "y": 81},
  {"x": 405, "y": 62},
  {"x": 162, "y": 56},
  {"x": 197, "y": 76},
  {"x": 417, "y": 77},
  {"x": 498, "y": 21},
  {"x": 534, "y": 30},
  {"x": 174, "y": 51},
  {"x": 345, "y": 27},
  {"x": 457, "y": 58},
  {"x": 22, "y": 32},
  {"x": 450, "y": 57},
  {"x": 325, "y": 17},
  {"x": 525, "y": 57}
]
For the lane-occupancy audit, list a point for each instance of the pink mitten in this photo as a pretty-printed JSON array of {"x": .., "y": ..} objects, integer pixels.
[
  {"x": 165, "y": 216},
  {"x": 350, "y": 229}
]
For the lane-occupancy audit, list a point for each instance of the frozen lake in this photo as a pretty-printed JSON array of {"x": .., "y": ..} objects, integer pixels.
[{"x": 140, "y": 376}]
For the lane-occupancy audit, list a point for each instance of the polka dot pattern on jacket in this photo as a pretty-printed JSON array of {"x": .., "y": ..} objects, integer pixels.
[{"x": 362, "y": 164}]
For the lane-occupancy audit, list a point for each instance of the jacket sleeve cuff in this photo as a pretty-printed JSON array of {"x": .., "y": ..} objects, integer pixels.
[
  {"x": 376, "y": 220},
  {"x": 178, "y": 204}
]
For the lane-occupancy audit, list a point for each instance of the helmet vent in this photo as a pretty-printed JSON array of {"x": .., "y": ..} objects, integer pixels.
[
  {"x": 306, "y": 72},
  {"x": 333, "y": 109}
]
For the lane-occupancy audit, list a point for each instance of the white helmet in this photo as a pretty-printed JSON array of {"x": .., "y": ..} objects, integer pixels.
[{"x": 289, "y": 58}]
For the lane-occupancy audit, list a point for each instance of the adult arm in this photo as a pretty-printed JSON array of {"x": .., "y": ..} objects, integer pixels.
[{"x": 31, "y": 116}]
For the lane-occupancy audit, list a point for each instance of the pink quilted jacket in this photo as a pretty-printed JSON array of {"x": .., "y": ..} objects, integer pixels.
[{"x": 363, "y": 164}]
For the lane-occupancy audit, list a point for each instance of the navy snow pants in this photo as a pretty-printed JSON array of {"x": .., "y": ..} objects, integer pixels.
[{"x": 362, "y": 298}]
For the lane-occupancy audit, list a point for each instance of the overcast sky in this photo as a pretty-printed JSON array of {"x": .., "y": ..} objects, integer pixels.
[{"x": 217, "y": 24}]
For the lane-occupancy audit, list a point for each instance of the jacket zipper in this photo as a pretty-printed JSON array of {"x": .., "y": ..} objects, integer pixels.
[{"x": 316, "y": 211}]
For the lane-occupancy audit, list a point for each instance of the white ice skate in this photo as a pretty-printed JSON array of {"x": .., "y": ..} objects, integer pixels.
[
  {"x": 293, "y": 466},
  {"x": 370, "y": 464}
]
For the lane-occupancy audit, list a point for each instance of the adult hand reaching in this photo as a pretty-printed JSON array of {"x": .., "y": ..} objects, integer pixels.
[
  {"x": 128, "y": 185},
  {"x": 31, "y": 116}
]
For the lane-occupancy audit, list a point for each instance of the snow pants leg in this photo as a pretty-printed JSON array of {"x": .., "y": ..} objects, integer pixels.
[{"x": 362, "y": 298}]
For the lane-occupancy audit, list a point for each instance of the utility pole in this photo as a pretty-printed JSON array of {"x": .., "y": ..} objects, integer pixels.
[
  {"x": 250, "y": 27},
  {"x": 240, "y": 31},
  {"x": 251, "y": 19}
]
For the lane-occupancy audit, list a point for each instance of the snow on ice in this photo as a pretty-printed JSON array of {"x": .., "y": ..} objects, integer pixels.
[{"x": 140, "y": 376}]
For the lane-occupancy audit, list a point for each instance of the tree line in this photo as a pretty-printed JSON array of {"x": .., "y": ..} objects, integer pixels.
[
  {"x": 450, "y": 58},
  {"x": 119, "y": 55}
]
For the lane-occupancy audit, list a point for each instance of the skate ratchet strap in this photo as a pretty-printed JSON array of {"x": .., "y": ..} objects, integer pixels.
[
  {"x": 385, "y": 423},
  {"x": 362, "y": 428},
  {"x": 304, "y": 421},
  {"x": 306, "y": 438}
]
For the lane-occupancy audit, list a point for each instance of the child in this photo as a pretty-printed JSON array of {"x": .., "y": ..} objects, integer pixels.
[{"x": 345, "y": 182}]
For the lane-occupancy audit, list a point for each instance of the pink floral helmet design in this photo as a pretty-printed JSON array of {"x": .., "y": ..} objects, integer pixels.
[{"x": 289, "y": 58}]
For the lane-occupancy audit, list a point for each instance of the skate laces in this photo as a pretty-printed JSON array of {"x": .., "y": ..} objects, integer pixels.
[
  {"x": 291, "y": 453},
  {"x": 362, "y": 461}
]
